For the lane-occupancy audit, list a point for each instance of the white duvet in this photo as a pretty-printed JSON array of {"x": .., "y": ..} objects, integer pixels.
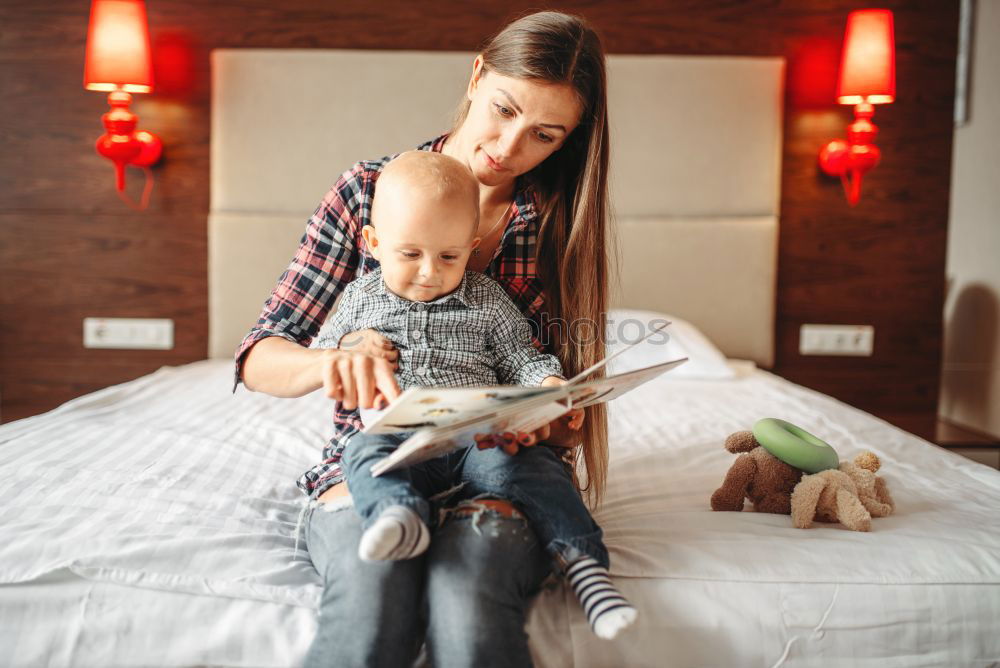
[{"x": 151, "y": 524}]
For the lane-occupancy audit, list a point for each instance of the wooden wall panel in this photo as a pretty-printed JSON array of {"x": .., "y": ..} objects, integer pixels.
[
  {"x": 71, "y": 249},
  {"x": 60, "y": 267}
]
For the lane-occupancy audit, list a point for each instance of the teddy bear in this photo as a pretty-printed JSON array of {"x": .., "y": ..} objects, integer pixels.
[
  {"x": 851, "y": 494},
  {"x": 757, "y": 475}
]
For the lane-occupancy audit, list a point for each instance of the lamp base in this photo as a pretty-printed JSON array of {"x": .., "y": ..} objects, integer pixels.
[
  {"x": 850, "y": 159},
  {"x": 121, "y": 143}
]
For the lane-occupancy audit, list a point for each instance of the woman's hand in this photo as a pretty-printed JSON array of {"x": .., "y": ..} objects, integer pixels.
[
  {"x": 561, "y": 432},
  {"x": 356, "y": 379},
  {"x": 370, "y": 342}
]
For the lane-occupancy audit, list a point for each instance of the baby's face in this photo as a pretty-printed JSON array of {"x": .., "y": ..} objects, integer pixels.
[{"x": 422, "y": 244}]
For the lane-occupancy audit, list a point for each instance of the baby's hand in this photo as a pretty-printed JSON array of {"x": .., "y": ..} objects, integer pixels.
[
  {"x": 561, "y": 429},
  {"x": 553, "y": 381},
  {"x": 370, "y": 342},
  {"x": 573, "y": 419}
]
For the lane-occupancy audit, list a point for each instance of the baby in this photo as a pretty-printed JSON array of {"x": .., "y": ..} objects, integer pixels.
[{"x": 454, "y": 327}]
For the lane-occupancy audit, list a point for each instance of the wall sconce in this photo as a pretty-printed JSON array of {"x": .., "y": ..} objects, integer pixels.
[
  {"x": 867, "y": 78},
  {"x": 119, "y": 61}
]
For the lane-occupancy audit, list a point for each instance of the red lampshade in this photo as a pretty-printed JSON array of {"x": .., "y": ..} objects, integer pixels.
[
  {"x": 118, "y": 55},
  {"x": 868, "y": 66}
]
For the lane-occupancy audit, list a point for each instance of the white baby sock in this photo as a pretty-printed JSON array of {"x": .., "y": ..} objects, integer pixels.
[
  {"x": 607, "y": 610},
  {"x": 397, "y": 534}
]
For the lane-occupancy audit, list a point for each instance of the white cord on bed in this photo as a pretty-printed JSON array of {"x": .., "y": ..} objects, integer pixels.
[{"x": 816, "y": 632}]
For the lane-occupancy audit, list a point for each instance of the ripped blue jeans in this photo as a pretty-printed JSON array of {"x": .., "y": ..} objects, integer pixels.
[
  {"x": 536, "y": 480},
  {"x": 465, "y": 600}
]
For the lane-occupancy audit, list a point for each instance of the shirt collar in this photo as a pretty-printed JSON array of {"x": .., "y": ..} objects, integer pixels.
[
  {"x": 462, "y": 293},
  {"x": 437, "y": 144},
  {"x": 526, "y": 203}
]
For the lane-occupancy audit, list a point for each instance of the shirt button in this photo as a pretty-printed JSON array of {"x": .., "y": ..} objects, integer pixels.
[
  {"x": 416, "y": 335},
  {"x": 421, "y": 370}
]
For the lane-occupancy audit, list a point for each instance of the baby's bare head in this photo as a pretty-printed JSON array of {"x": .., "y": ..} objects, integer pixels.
[
  {"x": 424, "y": 221},
  {"x": 421, "y": 180}
]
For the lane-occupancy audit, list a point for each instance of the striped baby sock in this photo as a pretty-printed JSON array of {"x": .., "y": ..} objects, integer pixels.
[
  {"x": 607, "y": 610},
  {"x": 397, "y": 534}
]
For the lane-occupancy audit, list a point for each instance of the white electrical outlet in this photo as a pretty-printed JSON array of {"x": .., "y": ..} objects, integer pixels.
[
  {"x": 129, "y": 333},
  {"x": 855, "y": 340}
]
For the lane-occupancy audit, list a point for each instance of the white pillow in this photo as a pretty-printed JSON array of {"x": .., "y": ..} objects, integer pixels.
[{"x": 679, "y": 339}]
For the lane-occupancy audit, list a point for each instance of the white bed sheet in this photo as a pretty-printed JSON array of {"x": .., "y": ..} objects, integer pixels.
[
  {"x": 151, "y": 523},
  {"x": 748, "y": 589}
]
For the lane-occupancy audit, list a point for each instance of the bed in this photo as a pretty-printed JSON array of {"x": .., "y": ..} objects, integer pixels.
[{"x": 151, "y": 523}]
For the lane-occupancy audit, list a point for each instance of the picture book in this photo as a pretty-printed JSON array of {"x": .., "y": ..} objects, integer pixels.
[{"x": 446, "y": 418}]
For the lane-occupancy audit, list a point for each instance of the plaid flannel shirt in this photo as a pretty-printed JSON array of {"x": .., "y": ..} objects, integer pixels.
[{"x": 332, "y": 253}]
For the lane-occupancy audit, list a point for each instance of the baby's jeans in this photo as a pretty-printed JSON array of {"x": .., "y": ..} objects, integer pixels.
[
  {"x": 408, "y": 486},
  {"x": 536, "y": 480},
  {"x": 541, "y": 486}
]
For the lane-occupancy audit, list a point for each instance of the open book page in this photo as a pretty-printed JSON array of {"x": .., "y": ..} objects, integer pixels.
[
  {"x": 583, "y": 394},
  {"x": 437, "y": 407},
  {"x": 516, "y": 412},
  {"x": 426, "y": 444}
]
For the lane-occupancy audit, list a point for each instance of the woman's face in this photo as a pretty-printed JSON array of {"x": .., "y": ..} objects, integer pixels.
[{"x": 513, "y": 124}]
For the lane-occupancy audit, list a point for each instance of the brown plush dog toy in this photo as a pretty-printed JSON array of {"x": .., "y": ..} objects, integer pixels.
[
  {"x": 851, "y": 495},
  {"x": 758, "y": 476}
]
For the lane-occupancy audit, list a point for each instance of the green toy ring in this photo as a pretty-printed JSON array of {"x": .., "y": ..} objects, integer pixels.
[{"x": 795, "y": 446}]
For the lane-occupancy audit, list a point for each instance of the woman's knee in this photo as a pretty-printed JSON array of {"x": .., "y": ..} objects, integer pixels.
[
  {"x": 484, "y": 549},
  {"x": 483, "y": 571},
  {"x": 501, "y": 507}
]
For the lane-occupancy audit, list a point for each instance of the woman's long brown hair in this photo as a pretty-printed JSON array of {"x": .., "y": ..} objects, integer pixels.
[{"x": 572, "y": 185}]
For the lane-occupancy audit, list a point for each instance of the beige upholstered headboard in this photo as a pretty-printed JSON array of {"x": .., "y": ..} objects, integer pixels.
[{"x": 696, "y": 150}]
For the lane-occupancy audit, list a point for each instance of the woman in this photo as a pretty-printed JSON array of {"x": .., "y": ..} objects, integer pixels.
[{"x": 533, "y": 129}]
